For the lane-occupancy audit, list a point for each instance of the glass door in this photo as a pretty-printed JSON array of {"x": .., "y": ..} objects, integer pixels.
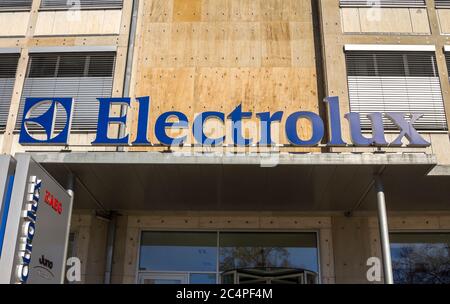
[{"x": 163, "y": 278}]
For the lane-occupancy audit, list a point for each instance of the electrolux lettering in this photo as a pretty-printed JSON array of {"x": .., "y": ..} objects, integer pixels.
[
  {"x": 402, "y": 121},
  {"x": 28, "y": 229}
]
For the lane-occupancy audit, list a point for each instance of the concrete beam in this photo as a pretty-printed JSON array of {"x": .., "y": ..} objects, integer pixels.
[{"x": 235, "y": 159}]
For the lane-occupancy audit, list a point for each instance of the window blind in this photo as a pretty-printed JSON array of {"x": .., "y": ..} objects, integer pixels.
[
  {"x": 442, "y": 3},
  {"x": 83, "y": 76},
  {"x": 382, "y": 3},
  {"x": 81, "y": 4},
  {"x": 396, "y": 82},
  {"x": 8, "y": 67},
  {"x": 11, "y": 5}
]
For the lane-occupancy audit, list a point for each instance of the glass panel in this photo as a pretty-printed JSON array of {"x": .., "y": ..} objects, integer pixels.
[
  {"x": 178, "y": 251},
  {"x": 421, "y": 258},
  {"x": 162, "y": 281},
  {"x": 287, "y": 250},
  {"x": 202, "y": 278}
]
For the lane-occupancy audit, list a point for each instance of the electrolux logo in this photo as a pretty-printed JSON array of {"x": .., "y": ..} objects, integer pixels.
[
  {"x": 28, "y": 229},
  {"x": 403, "y": 122},
  {"x": 46, "y": 120}
]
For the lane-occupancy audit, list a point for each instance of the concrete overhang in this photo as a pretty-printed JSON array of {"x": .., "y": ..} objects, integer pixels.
[{"x": 150, "y": 181}]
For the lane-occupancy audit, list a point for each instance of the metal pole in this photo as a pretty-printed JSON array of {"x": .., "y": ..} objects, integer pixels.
[
  {"x": 384, "y": 231},
  {"x": 110, "y": 246},
  {"x": 70, "y": 188}
]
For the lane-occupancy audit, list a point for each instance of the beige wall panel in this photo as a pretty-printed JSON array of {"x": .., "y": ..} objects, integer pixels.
[
  {"x": 387, "y": 20},
  {"x": 326, "y": 256},
  {"x": 419, "y": 20},
  {"x": 444, "y": 20},
  {"x": 119, "y": 250},
  {"x": 80, "y": 225},
  {"x": 441, "y": 147},
  {"x": 131, "y": 253},
  {"x": 14, "y": 23},
  {"x": 350, "y": 20},
  {"x": 100, "y": 22},
  {"x": 351, "y": 249},
  {"x": 111, "y": 22},
  {"x": 45, "y": 23},
  {"x": 97, "y": 252}
]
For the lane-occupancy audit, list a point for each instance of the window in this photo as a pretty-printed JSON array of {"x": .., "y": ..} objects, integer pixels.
[
  {"x": 15, "y": 5},
  {"x": 396, "y": 81},
  {"x": 447, "y": 59},
  {"x": 421, "y": 258},
  {"x": 8, "y": 67},
  {"x": 442, "y": 3},
  {"x": 81, "y": 4},
  {"x": 202, "y": 257},
  {"x": 382, "y": 3},
  {"x": 83, "y": 76}
]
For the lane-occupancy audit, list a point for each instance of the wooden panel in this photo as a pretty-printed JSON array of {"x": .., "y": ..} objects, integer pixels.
[
  {"x": 14, "y": 23},
  {"x": 217, "y": 54},
  {"x": 158, "y": 10},
  {"x": 187, "y": 10},
  {"x": 276, "y": 47}
]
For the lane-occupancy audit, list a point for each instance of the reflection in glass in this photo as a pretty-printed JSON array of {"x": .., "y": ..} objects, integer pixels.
[
  {"x": 178, "y": 251},
  {"x": 202, "y": 278},
  {"x": 421, "y": 258},
  {"x": 285, "y": 250},
  {"x": 202, "y": 257}
]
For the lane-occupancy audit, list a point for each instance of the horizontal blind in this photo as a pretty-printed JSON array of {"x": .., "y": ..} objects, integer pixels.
[
  {"x": 81, "y": 4},
  {"x": 85, "y": 77},
  {"x": 447, "y": 59},
  {"x": 8, "y": 67},
  {"x": 382, "y": 3},
  {"x": 442, "y": 3},
  {"x": 15, "y": 4},
  {"x": 396, "y": 82}
]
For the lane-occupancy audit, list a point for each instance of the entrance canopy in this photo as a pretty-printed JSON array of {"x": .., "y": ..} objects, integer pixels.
[{"x": 145, "y": 181}]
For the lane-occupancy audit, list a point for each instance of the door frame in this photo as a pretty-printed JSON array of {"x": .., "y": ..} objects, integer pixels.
[{"x": 181, "y": 276}]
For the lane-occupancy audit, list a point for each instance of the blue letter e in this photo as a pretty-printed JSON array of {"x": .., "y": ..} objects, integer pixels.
[{"x": 104, "y": 120}]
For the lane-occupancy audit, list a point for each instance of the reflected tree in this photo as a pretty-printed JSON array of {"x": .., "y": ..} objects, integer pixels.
[
  {"x": 422, "y": 264},
  {"x": 246, "y": 257}
]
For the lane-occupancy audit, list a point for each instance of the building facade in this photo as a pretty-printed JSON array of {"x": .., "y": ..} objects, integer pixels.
[{"x": 283, "y": 212}]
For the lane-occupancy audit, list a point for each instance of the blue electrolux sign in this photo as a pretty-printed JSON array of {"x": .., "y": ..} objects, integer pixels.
[{"x": 177, "y": 120}]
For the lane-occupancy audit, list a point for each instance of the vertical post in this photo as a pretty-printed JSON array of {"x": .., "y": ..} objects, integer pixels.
[
  {"x": 384, "y": 231},
  {"x": 110, "y": 246},
  {"x": 70, "y": 188}
]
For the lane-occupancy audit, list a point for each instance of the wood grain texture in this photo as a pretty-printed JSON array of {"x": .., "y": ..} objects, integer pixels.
[{"x": 203, "y": 55}]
